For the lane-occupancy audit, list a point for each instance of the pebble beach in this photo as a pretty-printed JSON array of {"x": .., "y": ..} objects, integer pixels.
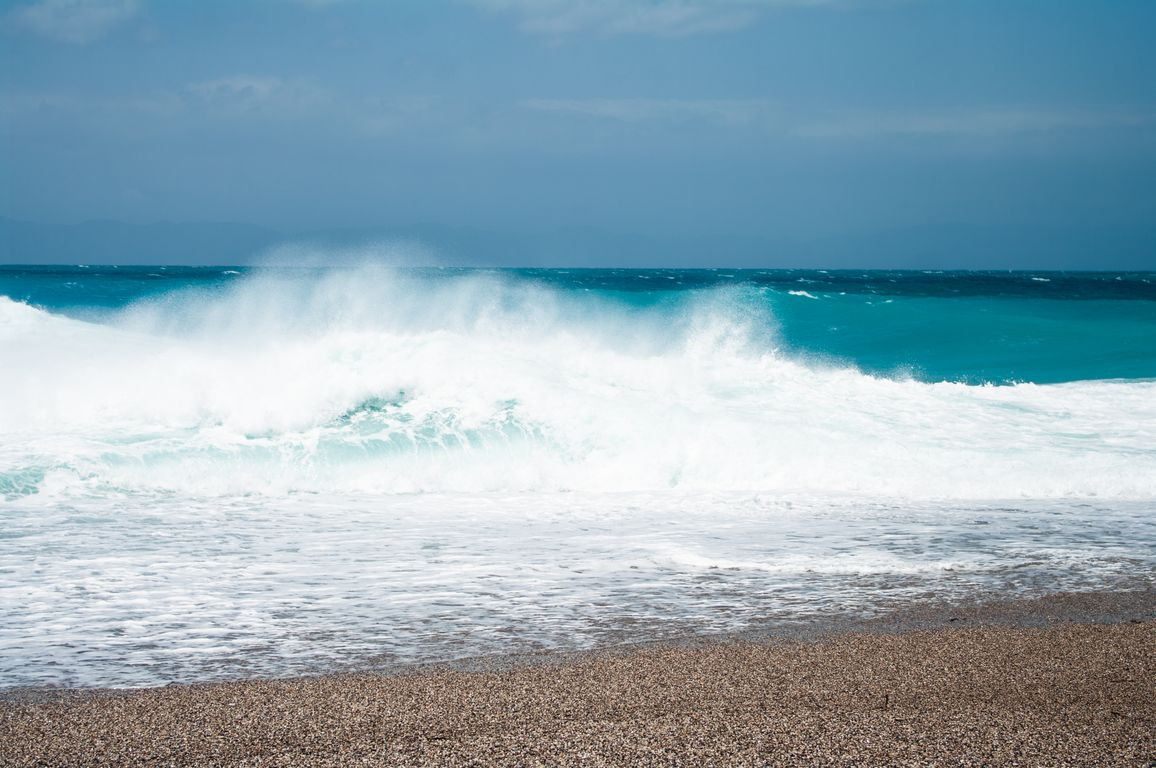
[{"x": 1014, "y": 684}]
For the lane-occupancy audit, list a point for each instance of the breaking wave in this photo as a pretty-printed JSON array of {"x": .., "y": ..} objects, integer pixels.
[{"x": 376, "y": 381}]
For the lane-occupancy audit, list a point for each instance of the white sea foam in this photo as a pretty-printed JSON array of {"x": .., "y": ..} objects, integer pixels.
[
  {"x": 158, "y": 588},
  {"x": 370, "y": 381}
]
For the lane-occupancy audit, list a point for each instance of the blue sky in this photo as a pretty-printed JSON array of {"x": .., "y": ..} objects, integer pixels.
[{"x": 796, "y": 132}]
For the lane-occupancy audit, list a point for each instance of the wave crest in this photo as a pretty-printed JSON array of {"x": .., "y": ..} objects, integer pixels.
[{"x": 376, "y": 381}]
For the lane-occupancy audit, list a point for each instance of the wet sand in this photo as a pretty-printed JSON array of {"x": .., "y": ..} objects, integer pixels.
[{"x": 1069, "y": 680}]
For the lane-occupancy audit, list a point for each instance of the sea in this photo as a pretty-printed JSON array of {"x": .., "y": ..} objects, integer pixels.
[{"x": 215, "y": 473}]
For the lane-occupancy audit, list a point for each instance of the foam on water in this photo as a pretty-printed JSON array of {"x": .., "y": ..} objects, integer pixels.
[{"x": 159, "y": 589}]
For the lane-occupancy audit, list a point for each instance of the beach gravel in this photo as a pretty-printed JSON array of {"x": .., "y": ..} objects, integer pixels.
[{"x": 1072, "y": 694}]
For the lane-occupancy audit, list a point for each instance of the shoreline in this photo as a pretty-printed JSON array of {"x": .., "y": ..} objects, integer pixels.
[
  {"x": 1134, "y": 600},
  {"x": 1068, "y": 678}
]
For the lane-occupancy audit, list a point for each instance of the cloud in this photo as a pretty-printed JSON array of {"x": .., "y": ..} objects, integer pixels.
[
  {"x": 242, "y": 102},
  {"x": 241, "y": 95},
  {"x": 662, "y": 18},
  {"x": 777, "y": 119},
  {"x": 74, "y": 21},
  {"x": 730, "y": 111},
  {"x": 975, "y": 122},
  {"x": 238, "y": 88}
]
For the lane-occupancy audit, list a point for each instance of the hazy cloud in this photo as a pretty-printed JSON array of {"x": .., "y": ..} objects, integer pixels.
[
  {"x": 243, "y": 87},
  {"x": 666, "y": 18},
  {"x": 74, "y": 21},
  {"x": 780, "y": 120},
  {"x": 235, "y": 102},
  {"x": 976, "y": 122},
  {"x": 733, "y": 111},
  {"x": 245, "y": 94}
]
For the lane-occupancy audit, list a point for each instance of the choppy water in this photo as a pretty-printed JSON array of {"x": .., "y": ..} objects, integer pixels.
[{"x": 210, "y": 472}]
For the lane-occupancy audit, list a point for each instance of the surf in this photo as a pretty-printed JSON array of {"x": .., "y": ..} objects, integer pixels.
[{"x": 382, "y": 381}]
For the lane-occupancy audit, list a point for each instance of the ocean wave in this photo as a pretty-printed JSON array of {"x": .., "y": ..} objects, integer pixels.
[{"x": 377, "y": 381}]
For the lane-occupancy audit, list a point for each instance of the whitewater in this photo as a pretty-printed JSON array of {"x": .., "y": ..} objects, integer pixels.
[{"x": 210, "y": 473}]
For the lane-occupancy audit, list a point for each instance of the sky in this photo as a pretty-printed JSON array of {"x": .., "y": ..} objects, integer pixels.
[{"x": 961, "y": 133}]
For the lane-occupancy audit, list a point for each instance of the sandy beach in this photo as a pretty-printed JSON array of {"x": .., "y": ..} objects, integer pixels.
[{"x": 1068, "y": 680}]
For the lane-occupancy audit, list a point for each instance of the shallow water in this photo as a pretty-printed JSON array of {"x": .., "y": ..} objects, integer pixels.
[{"x": 171, "y": 590}]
